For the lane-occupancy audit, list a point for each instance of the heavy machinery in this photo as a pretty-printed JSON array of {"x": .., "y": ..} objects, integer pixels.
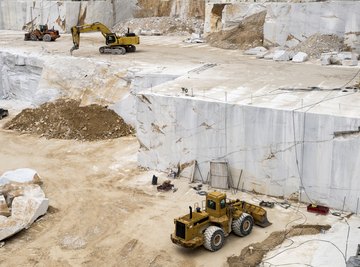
[
  {"x": 219, "y": 217},
  {"x": 43, "y": 33},
  {"x": 115, "y": 44}
]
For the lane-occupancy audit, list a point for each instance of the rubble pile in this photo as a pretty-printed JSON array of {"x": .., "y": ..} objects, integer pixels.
[
  {"x": 249, "y": 33},
  {"x": 317, "y": 44},
  {"x": 22, "y": 201},
  {"x": 66, "y": 119},
  {"x": 161, "y": 26}
]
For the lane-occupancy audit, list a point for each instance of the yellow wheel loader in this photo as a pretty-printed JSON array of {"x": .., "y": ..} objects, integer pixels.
[
  {"x": 115, "y": 44},
  {"x": 220, "y": 217}
]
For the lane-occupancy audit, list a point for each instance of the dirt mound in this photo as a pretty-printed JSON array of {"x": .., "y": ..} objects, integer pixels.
[
  {"x": 320, "y": 43},
  {"x": 161, "y": 25},
  {"x": 249, "y": 33},
  {"x": 65, "y": 119},
  {"x": 247, "y": 259}
]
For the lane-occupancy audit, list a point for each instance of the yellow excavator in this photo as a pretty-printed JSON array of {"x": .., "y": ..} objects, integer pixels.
[{"x": 115, "y": 44}]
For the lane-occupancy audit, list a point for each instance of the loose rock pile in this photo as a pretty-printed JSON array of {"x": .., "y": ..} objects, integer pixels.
[
  {"x": 317, "y": 44},
  {"x": 66, "y": 119},
  {"x": 161, "y": 26},
  {"x": 249, "y": 33}
]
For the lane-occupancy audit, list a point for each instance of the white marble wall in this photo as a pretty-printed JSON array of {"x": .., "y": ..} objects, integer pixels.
[
  {"x": 14, "y": 14},
  {"x": 302, "y": 20},
  {"x": 260, "y": 141},
  {"x": 19, "y": 76}
]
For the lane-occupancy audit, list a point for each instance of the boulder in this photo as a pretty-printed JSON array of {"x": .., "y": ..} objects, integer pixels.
[
  {"x": 195, "y": 38},
  {"x": 350, "y": 62},
  {"x": 28, "y": 205},
  {"x": 300, "y": 57},
  {"x": 348, "y": 58},
  {"x": 23, "y": 175},
  {"x": 326, "y": 58},
  {"x": 291, "y": 43},
  {"x": 255, "y": 51},
  {"x": 283, "y": 55},
  {"x": 262, "y": 54},
  {"x": 269, "y": 55}
]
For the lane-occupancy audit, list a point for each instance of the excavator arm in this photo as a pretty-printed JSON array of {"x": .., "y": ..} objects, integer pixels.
[{"x": 96, "y": 26}]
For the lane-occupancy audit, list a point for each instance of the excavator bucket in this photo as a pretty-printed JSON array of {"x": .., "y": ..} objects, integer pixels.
[{"x": 258, "y": 213}]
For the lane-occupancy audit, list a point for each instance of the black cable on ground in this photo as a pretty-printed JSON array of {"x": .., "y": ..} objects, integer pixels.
[{"x": 307, "y": 241}]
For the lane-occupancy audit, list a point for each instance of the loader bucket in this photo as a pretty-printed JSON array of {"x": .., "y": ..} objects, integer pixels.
[
  {"x": 257, "y": 212},
  {"x": 263, "y": 221}
]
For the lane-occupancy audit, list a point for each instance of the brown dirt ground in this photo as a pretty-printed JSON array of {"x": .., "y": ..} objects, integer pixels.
[
  {"x": 66, "y": 119},
  {"x": 248, "y": 34},
  {"x": 273, "y": 240}
]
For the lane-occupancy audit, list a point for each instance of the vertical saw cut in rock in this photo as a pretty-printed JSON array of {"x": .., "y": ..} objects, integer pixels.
[
  {"x": 25, "y": 200},
  {"x": 66, "y": 119},
  {"x": 116, "y": 45}
]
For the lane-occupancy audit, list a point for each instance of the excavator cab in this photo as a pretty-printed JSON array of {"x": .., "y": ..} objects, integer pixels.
[{"x": 110, "y": 39}]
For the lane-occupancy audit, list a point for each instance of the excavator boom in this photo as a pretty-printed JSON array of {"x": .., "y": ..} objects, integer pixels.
[{"x": 114, "y": 44}]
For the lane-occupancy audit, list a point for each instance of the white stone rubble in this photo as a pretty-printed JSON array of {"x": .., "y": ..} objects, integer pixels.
[
  {"x": 343, "y": 58},
  {"x": 27, "y": 202},
  {"x": 195, "y": 38},
  {"x": 255, "y": 51},
  {"x": 300, "y": 57},
  {"x": 23, "y": 175},
  {"x": 283, "y": 55}
]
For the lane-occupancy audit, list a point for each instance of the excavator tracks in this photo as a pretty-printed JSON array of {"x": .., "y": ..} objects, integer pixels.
[{"x": 117, "y": 50}]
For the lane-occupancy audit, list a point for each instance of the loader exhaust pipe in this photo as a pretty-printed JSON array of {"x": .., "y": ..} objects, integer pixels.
[{"x": 190, "y": 208}]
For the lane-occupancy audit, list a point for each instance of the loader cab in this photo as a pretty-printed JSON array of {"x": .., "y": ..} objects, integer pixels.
[
  {"x": 216, "y": 204},
  {"x": 43, "y": 28}
]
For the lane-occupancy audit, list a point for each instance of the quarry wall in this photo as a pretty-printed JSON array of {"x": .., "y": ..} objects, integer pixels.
[
  {"x": 33, "y": 79},
  {"x": 62, "y": 15},
  {"x": 280, "y": 151},
  {"x": 286, "y": 21}
]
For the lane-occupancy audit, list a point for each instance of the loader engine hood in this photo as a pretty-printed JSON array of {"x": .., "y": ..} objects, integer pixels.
[{"x": 185, "y": 224}]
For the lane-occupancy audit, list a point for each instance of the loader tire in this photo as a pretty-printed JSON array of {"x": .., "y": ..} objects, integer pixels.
[
  {"x": 33, "y": 37},
  {"x": 243, "y": 225},
  {"x": 47, "y": 38},
  {"x": 214, "y": 238}
]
